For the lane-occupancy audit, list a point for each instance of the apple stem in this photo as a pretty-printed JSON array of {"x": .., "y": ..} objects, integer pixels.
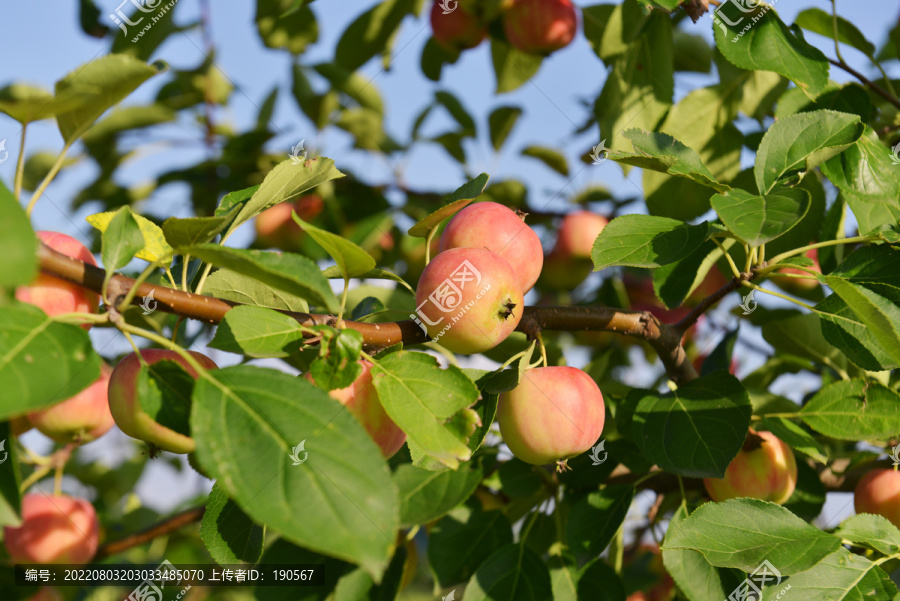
[{"x": 540, "y": 340}]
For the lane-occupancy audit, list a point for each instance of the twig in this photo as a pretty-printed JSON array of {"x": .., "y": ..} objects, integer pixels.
[
  {"x": 866, "y": 81},
  {"x": 171, "y": 524}
]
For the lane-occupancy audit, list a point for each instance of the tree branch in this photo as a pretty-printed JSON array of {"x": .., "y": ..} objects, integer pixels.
[
  {"x": 866, "y": 82},
  {"x": 166, "y": 526},
  {"x": 665, "y": 339}
]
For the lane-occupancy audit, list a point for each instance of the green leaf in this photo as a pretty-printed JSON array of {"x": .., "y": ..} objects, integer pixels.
[
  {"x": 638, "y": 90},
  {"x": 594, "y": 520},
  {"x": 800, "y": 142},
  {"x": 229, "y": 534},
  {"x": 595, "y": 581},
  {"x": 420, "y": 397},
  {"x": 352, "y": 260},
  {"x": 512, "y": 67},
  {"x": 18, "y": 243},
  {"x": 878, "y": 269},
  {"x": 371, "y": 32},
  {"x": 462, "y": 540},
  {"x": 11, "y": 480},
  {"x": 695, "y": 430},
  {"x": 694, "y": 575},
  {"x": 550, "y": 157},
  {"x": 661, "y": 152},
  {"x": 258, "y": 332},
  {"x": 841, "y": 575},
  {"x": 233, "y": 199},
  {"x": 756, "y": 219},
  {"x": 281, "y": 27},
  {"x": 42, "y": 362},
  {"x": 872, "y": 531},
  {"x": 457, "y": 111},
  {"x": 26, "y": 103},
  {"x": 155, "y": 247},
  {"x": 511, "y": 574},
  {"x": 232, "y": 286},
  {"x": 357, "y": 585},
  {"x": 741, "y": 533},
  {"x": 350, "y": 503},
  {"x": 881, "y": 316},
  {"x": 337, "y": 365},
  {"x": 426, "y": 495},
  {"x": 865, "y": 175},
  {"x": 121, "y": 240},
  {"x": 164, "y": 393},
  {"x": 99, "y": 85},
  {"x": 674, "y": 282},
  {"x": 286, "y": 181},
  {"x": 289, "y": 272},
  {"x": 821, "y": 22},
  {"x": 800, "y": 335},
  {"x": 501, "y": 122},
  {"x": 358, "y": 87},
  {"x": 366, "y": 307},
  {"x": 769, "y": 45},
  {"x": 854, "y": 410},
  {"x": 195, "y": 230},
  {"x": 646, "y": 241},
  {"x": 795, "y": 437},
  {"x": 463, "y": 195}
]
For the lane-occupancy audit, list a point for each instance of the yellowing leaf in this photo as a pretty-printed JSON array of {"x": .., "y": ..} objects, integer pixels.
[{"x": 155, "y": 245}]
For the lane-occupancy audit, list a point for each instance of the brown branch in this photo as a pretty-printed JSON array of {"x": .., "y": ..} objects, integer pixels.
[
  {"x": 665, "y": 339},
  {"x": 866, "y": 81},
  {"x": 168, "y": 525},
  {"x": 704, "y": 305}
]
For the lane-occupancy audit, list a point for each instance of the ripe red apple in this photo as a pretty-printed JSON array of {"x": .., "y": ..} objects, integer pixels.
[
  {"x": 499, "y": 229},
  {"x": 878, "y": 492},
  {"x": 55, "y": 296},
  {"x": 55, "y": 529},
  {"x": 577, "y": 234},
  {"x": 797, "y": 286},
  {"x": 276, "y": 229},
  {"x": 126, "y": 407},
  {"x": 764, "y": 469},
  {"x": 469, "y": 300},
  {"x": 553, "y": 414},
  {"x": 361, "y": 399},
  {"x": 540, "y": 26},
  {"x": 82, "y": 418},
  {"x": 456, "y": 30},
  {"x": 569, "y": 263}
]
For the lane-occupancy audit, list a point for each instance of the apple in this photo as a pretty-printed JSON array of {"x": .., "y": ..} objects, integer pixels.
[
  {"x": 555, "y": 413},
  {"x": 275, "y": 228},
  {"x": 82, "y": 418},
  {"x": 540, "y": 26},
  {"x": 55, "y": 529},
  {"x": 764, "y": 469},
  {"x": 457, "y": 30},
  {"x": 710, "y": 285},
  {"x": 878, "y": 492},
  {"x": 499, "y": 229},
  {"x": 55, "y": 296},
  {"x": 469, "y": 300},
  {"x": 647, "y": 562},
  {"x": 570, "y": 262},
  {"x": 797, "y": 286},
  {"x": 361, "y": 399},
  {"x": 577, "y": 233},
  {"x": 126, "y": 406}
]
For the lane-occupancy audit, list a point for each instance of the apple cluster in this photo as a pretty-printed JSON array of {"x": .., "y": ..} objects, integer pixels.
[{"x": 531, "y": 26}]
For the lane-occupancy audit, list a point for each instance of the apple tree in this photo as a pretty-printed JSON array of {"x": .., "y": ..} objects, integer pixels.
[{"x": 456, "y": 392}]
